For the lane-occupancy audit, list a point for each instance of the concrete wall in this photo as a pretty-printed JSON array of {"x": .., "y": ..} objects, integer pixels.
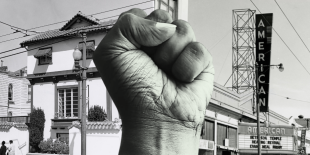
[
  {"x": 43, "y": 97},
  {"x": 20, "y": 106},
  {"x": 19, "y": 136},
  {"x": 98, "y": 142}
]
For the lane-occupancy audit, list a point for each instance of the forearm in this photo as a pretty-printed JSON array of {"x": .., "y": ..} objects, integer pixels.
[{"x": 157, "y": 137}]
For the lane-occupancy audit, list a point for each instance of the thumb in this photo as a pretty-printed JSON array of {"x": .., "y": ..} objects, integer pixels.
[{"x": 142, "y": 32}]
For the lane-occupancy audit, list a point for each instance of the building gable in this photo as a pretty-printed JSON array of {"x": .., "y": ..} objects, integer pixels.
[{"x": 80, "y": 20}]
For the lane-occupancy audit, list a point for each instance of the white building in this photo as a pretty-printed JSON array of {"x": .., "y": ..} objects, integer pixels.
[
  {"x": 50, "y": 64},
  {"x": 14, "y": 95}
]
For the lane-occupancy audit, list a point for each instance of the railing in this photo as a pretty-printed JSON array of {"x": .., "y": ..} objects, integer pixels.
[
  {"x": 58, "y": 115},
  {"x": 20, "y": 119}
]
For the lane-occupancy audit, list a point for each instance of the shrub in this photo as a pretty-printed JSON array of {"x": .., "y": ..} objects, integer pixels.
[
  {"x": 54, "y": 147},
  {"x": 96, "y": 113},
  {"x": 36, "y": 128}
]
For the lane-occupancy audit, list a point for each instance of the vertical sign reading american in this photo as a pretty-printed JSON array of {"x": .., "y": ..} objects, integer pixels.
[{"x": 263, "y": 53}]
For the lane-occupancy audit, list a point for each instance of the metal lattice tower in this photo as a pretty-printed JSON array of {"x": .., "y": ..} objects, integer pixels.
[{"x": 243, "y": 50}]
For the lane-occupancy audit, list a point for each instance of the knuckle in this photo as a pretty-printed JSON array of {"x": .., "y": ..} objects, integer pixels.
[
  {"x": 183, "y": 27},
  {"x": 160, "y": 16}
]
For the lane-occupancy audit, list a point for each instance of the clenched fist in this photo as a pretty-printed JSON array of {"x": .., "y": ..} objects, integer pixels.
[{"x": 160, "y": 80}]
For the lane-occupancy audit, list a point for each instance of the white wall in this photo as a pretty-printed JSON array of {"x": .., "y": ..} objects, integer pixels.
[
  {"x": 19, "y": 137},
  {"x": 98, "y": 142},
  {"x": 20, "y": 107},
  {"x": 44, "y": 97},
  {"x": 97, "y": 95},
  {"x": 61, "y": 55}
]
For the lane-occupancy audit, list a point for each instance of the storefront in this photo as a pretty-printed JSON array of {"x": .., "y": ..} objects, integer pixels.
[{"x": 275, "y": 139}]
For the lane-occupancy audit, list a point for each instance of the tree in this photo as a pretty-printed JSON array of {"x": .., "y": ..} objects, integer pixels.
[
  {"x": 36, "y": 129},
  {"x": 96, "y": 113}
]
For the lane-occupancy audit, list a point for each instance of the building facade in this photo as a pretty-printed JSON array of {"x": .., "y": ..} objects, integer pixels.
[
  {"x": 55, "y": 85},
  {"x": 14, "y": 94},
  {"x": 226, "y": 110}
]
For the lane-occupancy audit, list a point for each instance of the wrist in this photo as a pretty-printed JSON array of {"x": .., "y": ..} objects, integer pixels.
[{"x": 146, "y": 136}]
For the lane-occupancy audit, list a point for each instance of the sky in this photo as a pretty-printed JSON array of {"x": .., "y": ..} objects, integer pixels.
[{"x": 211, "y": 20}]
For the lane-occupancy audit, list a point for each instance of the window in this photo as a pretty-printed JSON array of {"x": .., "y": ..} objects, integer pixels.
[
  {"x": 226, "y": 132},
  {"x": 44, "y": 56},
  {"x": 68, "y": 103},
  {"x": 168, "y": 5},
  {"x": 10, "y": 92},
  {"x": 90, "y": 48},
  {"x": 64, "y": 137},
  {"x": 208, "y": 130},
  {"x": 29, "y": 93}
]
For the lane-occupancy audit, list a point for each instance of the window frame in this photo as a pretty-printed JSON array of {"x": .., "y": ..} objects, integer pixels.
[
  {"x": 64, "y": 114},
  {"x": 10, "y": 96},
  {"x": 45, "y": 57},
  {"x": 58, "y": 135},
  {"x": 173, "y": 10},
  {"x": 10, "y": 114},
  {"x": 87, "y": 50}
]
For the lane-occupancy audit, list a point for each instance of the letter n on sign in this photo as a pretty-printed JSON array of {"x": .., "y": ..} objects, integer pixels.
[{"x": 263, "y": 53}]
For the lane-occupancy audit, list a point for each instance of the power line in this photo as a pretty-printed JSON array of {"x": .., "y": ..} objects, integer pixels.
[
  {"x": 283, "y": 40},
  {"x": 293, "y": 26},
  {"x": 119, "y": 14},
  {"x": 35, "y": 34},
  {"x": 68, "y": 20},
  {"x": 92, "y": 14},
  {"x": 16, "y": 38},
  {"x": 12, "y": 26},
  {"x": 290, "y": 98},
  {"x": 11, "y": 50},
  {"x": 17, "y": 29},
  {"x": 36, "y": 47},
  {"x": 7, "y": 34}
]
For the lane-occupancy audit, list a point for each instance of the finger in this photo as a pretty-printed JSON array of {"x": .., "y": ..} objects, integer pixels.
[
  {"x": 157, "y": 16},
  {"x": 136, "y": 11},
  {"x": 160, "y": 16},
  {"x": 144, "y": 32},
  {"x": 171, "y": 49},
  {"x": 193, "y": 60}
]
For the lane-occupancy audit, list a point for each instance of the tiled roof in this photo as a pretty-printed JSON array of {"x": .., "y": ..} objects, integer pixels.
[
  {"x": 71, "y": 32},
  {"x": 8, "y": 125},
  {"x": 80, "y": 14},
  {"x": 98, "y": 125}
]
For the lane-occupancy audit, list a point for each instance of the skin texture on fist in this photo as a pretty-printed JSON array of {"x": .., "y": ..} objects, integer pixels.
[{"x": 160, "y": 80}]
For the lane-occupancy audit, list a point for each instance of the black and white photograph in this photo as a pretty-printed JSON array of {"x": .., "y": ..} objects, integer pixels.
[{"x": 155, "y": 77}]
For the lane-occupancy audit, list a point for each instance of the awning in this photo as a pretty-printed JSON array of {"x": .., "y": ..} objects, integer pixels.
[
  {"x": 89, "y": 46},
  {"x": 43, "y": 52}
]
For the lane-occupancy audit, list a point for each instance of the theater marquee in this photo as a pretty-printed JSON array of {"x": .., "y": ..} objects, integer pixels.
[{"x": 275, "y": 139}]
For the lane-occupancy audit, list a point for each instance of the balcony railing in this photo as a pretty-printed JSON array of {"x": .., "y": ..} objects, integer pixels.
[
  {"x": 58, "y": 115},
  {"x": 19, "y": 119}
]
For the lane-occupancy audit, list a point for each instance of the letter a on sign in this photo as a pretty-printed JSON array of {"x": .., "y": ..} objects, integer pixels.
[
  {"x": 261, "y": 23},
  {"x": 263, "y": 54}
]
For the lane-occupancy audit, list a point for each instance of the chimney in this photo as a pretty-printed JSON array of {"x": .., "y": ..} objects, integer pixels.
[{"x": 21, "y": 73}]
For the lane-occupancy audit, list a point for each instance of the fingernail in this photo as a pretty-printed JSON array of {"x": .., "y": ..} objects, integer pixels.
[{"x": 165, "y": 26}]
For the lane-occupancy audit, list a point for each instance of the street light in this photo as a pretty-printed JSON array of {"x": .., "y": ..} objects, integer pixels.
[
  {"x": 77, "y": 56},
  {"x": 281, "y": 68}
]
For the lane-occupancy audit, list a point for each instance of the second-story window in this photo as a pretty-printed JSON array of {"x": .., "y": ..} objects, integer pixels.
[
  {"x": 90, "y": 48},
  {"x": 10, "y": 92},
  {"x": 168, "y": 5},
  {"x": 44, "y": 56}
]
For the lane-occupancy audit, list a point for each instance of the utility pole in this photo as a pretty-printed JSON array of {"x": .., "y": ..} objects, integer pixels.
[
  {"x": 257, "y": 113},
  {"x": 84, "y": 77},
  {"x": 77, "y": 56}
]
